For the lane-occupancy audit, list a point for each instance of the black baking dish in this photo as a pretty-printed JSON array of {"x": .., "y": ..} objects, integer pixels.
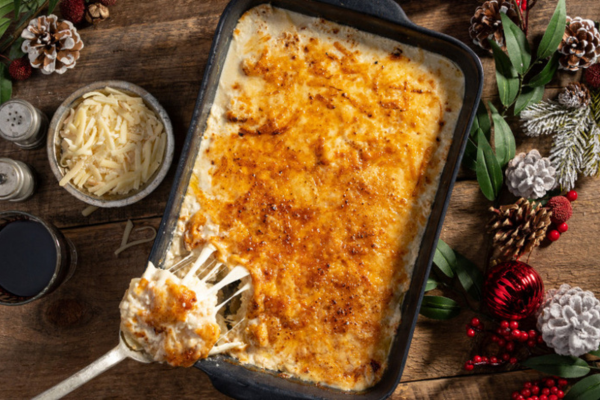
[{"x": 384, "y": 18}]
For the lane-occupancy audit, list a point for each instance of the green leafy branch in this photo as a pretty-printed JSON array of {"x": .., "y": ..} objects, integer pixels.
[
  {"x": 452, "y": 268},
  {"x": 519, "y": 85}
]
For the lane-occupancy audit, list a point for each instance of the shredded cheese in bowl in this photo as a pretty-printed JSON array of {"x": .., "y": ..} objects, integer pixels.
[{"x": 111, "y": 143}]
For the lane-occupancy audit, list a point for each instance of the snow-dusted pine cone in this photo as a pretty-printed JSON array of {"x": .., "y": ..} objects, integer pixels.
[
  {"x": 575, "y": 95},
  {"x": 569, "y": 320},
  {"x": 529, "y": 175},
  {"x": 580, "y": 45},
  {"x": 486, "y": 23}
]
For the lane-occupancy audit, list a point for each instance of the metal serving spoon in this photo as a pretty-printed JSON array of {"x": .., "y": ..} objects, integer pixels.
[{"x": 125, "y": 349}]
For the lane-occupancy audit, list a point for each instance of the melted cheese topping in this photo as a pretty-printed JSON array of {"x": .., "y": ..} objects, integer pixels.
[
  {"x": 317, "y": 171},
  {"x": 171, "y": 321},
  {"x": 111, "y": 143}
]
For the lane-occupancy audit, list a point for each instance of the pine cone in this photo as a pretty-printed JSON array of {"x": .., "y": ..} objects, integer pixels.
[
  {"x": 519, "y": 227},
  {"x": 52, "y": 46},
  {"x": 529, "y": 175},
  {"x": 575, "y": 95},
  {"x": 580, "y": 45},
  {"x": 96, "y": 12},
  {"x": 487, "y": 24},
  {"x": 569, "y": 320}
]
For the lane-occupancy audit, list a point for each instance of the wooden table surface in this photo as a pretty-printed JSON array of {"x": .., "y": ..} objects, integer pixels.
[{"x": 162, "y": 45}]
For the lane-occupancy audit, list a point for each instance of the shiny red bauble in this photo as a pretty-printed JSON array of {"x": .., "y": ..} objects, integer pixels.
[{"x": 513, "y": 290}]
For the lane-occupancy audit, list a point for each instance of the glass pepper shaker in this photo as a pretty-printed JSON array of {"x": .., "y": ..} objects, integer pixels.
[
  {"x": 17, "y": 182},
  {"x": 23, "y": 124}
]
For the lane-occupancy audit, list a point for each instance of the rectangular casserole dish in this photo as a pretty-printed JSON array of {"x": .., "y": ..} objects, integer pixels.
[{"x": 383, "y": 18}]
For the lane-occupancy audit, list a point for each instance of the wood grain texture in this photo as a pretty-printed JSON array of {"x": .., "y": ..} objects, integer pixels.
[{"x": 163, "y": 46}]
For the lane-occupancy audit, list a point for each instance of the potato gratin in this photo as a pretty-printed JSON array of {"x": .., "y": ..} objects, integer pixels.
[{"x": 317, "y": 171}]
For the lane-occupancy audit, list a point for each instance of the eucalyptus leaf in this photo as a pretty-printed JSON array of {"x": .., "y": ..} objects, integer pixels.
[
  {"x": 431, "y": 284},
  {"x": 51, "y": 5},
  {"x": 586, "y": 389},
  {"x": 554, "y": 31},
  {"x": 445, "y": 259},
  {"x": 489, "y": 173},
  {"x": 506, "y": 75},
  {"x": 17, "y": 7},
  {"x": 481, "y": 121},
  {"x": 504, "y": 140},
  {"x": 547, "y": 73},
  {"x": 4, "y": 24},
  {"x": 5, "y": 84},
  {"x": 528, "y": 96},
  {"x": 6, "y": 7},
  {"x": 563, "y": 366},
  {"x": 438, "y": 307},
  {"x": 516, "y": 45},
  {"x": 468, "y": 274}
]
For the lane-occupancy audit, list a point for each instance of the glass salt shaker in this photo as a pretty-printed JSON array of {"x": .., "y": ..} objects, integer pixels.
[
  {"x": 23, "y": 124},
  {"x": 17, "y": 182}
]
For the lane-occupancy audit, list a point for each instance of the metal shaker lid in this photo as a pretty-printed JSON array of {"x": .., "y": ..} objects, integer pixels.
[
  {"x": 11, "y": 178},
  {"x": 18, "y": 120}
]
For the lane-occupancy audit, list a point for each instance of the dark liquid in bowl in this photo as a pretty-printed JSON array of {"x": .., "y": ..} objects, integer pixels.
[{"x": 27, "y": 257}]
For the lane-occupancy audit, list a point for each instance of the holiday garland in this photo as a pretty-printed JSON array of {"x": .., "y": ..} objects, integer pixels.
[{"x": 556, "y": 331}]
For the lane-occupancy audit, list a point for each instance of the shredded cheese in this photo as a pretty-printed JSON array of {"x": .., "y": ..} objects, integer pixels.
[
  {"x": 111, "y": 143},
  {"x": 128, "y": 229}
]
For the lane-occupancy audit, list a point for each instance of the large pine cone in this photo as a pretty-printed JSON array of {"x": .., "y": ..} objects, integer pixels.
[
  {"x": 518, "y": 228},
  {"x": 580, "y": 45},
  {"x": 487, "y": 23},
  {"x": 51, "y": 45}
]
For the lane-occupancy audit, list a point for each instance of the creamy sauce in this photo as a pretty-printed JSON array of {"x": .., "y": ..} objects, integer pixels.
[{"x": 317, "y": 171}]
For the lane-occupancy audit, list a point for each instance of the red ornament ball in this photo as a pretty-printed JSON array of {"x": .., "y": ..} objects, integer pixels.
[
  {"x": 72, "y": 10},
  {"x": 513, "y": 290},
  {"x": 571, "y": 194},
  {"x": 592, "y": 76},
  {"x": 561, "y": 209},
  {"x": 562, "y": 228},
  {"x": 20, "y": 69},
  {"x": 553, "y": 235}
]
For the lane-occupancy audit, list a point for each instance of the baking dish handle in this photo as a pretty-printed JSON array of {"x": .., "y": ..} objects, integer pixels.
[{"x": 385, "y": 9}]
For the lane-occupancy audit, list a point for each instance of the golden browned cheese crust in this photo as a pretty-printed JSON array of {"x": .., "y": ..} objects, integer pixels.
[{"x": 319, "y": 162}]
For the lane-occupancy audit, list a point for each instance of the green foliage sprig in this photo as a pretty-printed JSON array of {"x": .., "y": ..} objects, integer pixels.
[{"x": 519, "y": 85}]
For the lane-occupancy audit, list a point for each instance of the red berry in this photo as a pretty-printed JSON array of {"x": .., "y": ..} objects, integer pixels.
[
  {"x": 514, "y": 325},
  {"x": 534, "y": 398},
  {"x": 471, "y": 333},
  {"x": 550, "y": 383},
  {"x": 525, "y": 392},
  {"x": 531, "y": 343},
  {"x": 513, "y": 360},
  {"x": 561, "y": 209},
  {"x": 524, "y": 337},
  {"x": 480, "y": 326},
  {"x": 72, "y": 10},
  {"x": 535, "y": 390},
  {"x": 553, "y": 397},
  {"x": 540, "y": 339},
  {"x": 505, "y": 356},
  {"x": 562, "y": 228},
  {"x": 515, "y": 334},
  {"x": 469, "y": 366},
  {"x": 532, "y": 334},
  {"x": 510, "y": 346},
  {"x": 553, "y": 235},
  {"x": 515, "y": 395},
  {"x": 553, "y": 390},
  {"x": 477, "y": 359},
  {"x": 501, "y": 342},
  {"x": 546, "y": 391},
  {"x": 504, "y": 325},
  {"x": 562, "y": 383},
  {"x": 560, "y": 394},
  {"x": 475, "y": 321},
  {"x": 494, "y": 360},
  {"x": 20, "y": 69},
  {"x": 543, "y": 397},
  {"x": 520, "y": 397},
  {"x": 527, "y": 385},
  {"x": 495, "y": 338},
  {"x": 485, "y": 360},
  {"x": 572, "y": 195}
]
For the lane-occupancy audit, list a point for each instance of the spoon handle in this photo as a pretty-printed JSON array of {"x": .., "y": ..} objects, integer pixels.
[{"x": 102, "y": 364}]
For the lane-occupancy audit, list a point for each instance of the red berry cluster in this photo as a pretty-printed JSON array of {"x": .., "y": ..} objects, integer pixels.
[
  {"x": 507, "y": 337},
  {"x": 560, "y": 223},
  {"x": 546, "y": 389}
]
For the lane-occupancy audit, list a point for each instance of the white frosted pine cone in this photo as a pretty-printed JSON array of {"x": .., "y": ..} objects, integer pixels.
[
  {"x": 530, "y": 175},
  {"x": 569, "y": 321}
]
